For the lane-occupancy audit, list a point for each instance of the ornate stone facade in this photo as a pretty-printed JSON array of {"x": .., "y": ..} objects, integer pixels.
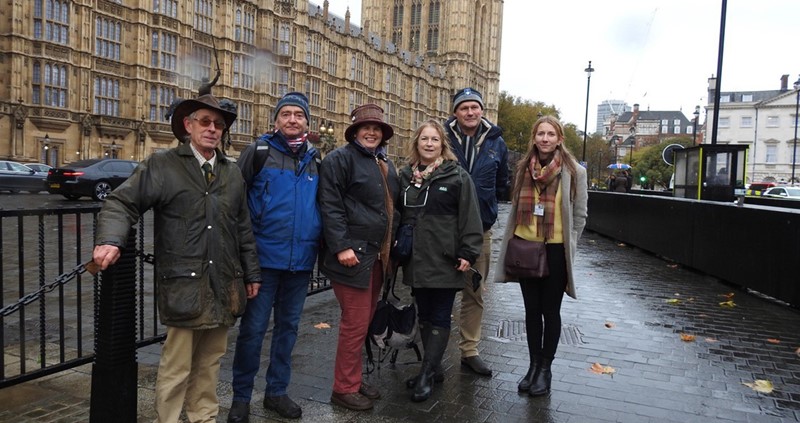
[{"x": 95, "y": 78}]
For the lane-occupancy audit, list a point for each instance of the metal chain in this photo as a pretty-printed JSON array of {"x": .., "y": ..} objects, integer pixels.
[{"x": 61, "y": 280}]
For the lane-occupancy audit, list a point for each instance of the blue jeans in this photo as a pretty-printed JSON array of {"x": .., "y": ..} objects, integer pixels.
[{"x": 284, "y": 293}]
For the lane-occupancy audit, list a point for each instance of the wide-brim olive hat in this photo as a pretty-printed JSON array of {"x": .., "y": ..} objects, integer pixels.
[
  {"x": 368, "y": 113},
  {"x": 189, "y": 106}
]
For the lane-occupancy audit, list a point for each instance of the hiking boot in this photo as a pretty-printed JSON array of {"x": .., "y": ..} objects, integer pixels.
[
  {"x": 284, "y": 406},
  {"x": 352, "y": 401},
  {"x": 369, "y": 391}
]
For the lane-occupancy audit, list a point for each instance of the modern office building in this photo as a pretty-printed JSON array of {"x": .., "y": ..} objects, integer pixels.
[
  {"x": 95, "y": 78},
  {"x": 608, "y": 108}
]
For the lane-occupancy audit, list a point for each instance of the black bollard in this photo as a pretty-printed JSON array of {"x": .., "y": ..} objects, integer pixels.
[{"x": 114, "y": 373}]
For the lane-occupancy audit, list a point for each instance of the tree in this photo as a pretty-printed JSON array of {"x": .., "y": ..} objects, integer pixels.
[
  {"x": 517, "y": 116},
  {"x": 648, "y": 162}
]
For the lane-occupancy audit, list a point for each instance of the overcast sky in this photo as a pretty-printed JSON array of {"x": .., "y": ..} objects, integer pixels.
[{"x": 657, "y": 53}]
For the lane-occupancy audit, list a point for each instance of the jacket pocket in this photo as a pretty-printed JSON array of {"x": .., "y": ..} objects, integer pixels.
[{"x": 183, "y": 291}]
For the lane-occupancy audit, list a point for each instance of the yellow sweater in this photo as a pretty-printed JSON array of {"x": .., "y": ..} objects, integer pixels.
[{"x": 528, "y": 232}]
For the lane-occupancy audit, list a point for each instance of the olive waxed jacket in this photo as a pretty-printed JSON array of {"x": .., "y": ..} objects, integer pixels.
[{"x": 204, "y": 245}]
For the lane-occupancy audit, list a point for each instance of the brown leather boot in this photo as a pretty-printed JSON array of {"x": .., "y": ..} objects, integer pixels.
[{"x": 352, "y": 401}]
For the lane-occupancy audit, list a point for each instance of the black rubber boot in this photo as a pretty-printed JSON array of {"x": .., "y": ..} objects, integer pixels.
[
  {"x": 437, "y": 343},
  {"x": 527, "y": 381},
  {"x": 541, "y": 379}
]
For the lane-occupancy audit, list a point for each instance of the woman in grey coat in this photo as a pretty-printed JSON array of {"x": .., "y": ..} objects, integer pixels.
[
  {"x": 548, "y": 204},
  {"x": 438, "y": 198}
]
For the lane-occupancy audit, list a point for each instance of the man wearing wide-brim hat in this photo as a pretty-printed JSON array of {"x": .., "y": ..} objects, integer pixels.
[
  {"x": 357, "y": 191},
  {"x": 204, "y": 249}
]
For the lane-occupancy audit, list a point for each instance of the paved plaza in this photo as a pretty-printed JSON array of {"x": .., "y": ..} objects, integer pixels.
[{"x": 630, "y": 315}]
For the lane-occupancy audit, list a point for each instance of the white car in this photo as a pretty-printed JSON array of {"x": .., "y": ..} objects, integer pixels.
[{"x": 792, "y": 193}]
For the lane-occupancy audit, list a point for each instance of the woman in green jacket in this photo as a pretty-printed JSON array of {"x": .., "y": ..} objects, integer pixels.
[{"x": 438, "y": 199}]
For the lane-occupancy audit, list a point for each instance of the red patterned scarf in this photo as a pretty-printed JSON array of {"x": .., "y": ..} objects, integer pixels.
[{"x": 544, "y": 180}]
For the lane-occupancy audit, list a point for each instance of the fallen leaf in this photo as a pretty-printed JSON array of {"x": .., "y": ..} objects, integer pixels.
[
  {"x": 728, "y": 295},
  {"x": 621, "y": 244},
  {"x": 601, "y": 369},
  {"x": 690, "y": 299},
  {"x": 677, "y": 294},
  {"x": 729, "y": 304},
  {"x": 673, "y": 301},
  {"x": 610, "y": 325},
  {"x": 712, "y": 340},
  {"x": 322, "y": 326},
  {"x": 685, "y": 337},
  {"x": 672, "y": 266},
  {"x": 702, "y": 315},
  {"x": 773, "y": 341},
  {"x": 760, "y": 385}
]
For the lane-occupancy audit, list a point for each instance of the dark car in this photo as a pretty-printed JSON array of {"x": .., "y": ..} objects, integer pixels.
[
  {"x": 16, "y": 177},
  {"x": 94, "y": 178}
]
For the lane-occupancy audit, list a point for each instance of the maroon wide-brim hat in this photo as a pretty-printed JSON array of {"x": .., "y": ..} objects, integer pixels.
[
  {"x": 189, "y": 106},
  {"x": 368, "y": 113}
]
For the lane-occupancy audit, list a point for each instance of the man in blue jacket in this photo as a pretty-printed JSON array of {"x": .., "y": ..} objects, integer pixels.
[
  {"x": 480, "y": 149},
  {"x": 281, "y": 173}
]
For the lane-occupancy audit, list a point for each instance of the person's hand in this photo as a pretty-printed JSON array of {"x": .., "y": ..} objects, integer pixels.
[
  {"x": 463, "y": 265},
  {"x": 252, "y": 289},
  {"x": 105, "y": 255},
  {"x": 347, "y": 258}
]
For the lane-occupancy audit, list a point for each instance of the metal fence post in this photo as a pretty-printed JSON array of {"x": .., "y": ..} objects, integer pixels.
[{"x": 114, "y": 373}]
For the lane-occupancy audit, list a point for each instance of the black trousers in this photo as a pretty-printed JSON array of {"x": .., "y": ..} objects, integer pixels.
[{"x": 542, "y": 298}]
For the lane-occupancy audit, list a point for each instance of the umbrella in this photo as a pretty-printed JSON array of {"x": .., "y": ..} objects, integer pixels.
[{"x": 622, "y": 166}]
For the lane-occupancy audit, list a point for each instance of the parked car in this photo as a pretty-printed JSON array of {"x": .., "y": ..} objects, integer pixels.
[
  {"x": 94, "y": 178},
  {"x": 39, "y": 168},
  {"x": 16, "y": 177},
  {"x": 792, "y": 193},
  {"x": 756, "y": 189}
]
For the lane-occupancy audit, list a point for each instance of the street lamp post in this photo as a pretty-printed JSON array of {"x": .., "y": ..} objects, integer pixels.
[
  {"x": 794, "y": 146},
  {"x": 588, "y": 71},
  {"x": 694, "y": 128},
  {"x": 326, "y": 136}
]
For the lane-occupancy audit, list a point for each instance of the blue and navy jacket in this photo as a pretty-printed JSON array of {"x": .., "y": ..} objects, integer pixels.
[
  {"x": 490, "y": 168},
  {"x": 282, "y": 197}
]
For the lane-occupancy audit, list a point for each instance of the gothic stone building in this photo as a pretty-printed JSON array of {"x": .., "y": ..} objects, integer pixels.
[{"x": 95, "y": 78}]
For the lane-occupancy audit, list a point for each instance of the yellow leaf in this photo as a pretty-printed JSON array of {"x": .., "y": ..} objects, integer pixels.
[
  {"x": 610, "y": 325},
  {"x": 601, "y": 369},
  {"x": 685, "y": 337},
  {"x": 729, "y": 304},
  {"x": 773, "y": 341},
  {"x": 673, "y": 301},
  {"x": 322, "y": 325},
  {"x": 760, "y": 385}
]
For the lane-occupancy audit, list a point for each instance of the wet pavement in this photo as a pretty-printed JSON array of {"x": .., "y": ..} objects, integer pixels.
[{"x": 630, "y": 315}]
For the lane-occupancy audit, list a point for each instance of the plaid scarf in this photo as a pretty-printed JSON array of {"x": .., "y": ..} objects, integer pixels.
[{"x": 544, "y": 180}]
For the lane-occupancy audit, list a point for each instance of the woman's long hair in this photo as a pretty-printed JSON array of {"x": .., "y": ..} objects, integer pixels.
[
  {"x": 412, "y": 154},
  {"x": 568, "y": 161}
]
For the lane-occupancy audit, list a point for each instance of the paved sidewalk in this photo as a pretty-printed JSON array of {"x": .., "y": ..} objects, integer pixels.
[{"x": 631, "y": 311}]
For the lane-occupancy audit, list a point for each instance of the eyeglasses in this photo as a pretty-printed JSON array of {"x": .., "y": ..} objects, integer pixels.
[
  {"x": 424, "y": 200},
  {"x": 206, "y": 122}
]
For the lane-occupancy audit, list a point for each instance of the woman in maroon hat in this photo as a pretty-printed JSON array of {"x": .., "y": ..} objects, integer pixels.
[{"x": 357, "y": 191}]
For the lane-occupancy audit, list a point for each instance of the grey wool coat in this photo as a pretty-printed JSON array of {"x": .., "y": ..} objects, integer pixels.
[{"x": 573, "y": 213}]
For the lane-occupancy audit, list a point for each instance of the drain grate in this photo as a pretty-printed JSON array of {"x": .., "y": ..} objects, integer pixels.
[{"x": 514, "y": 330}]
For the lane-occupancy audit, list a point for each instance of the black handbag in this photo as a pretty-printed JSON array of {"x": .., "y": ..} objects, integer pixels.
[
  {"x": 526, "y": 259},
  {"x": 404, "y": 243}
]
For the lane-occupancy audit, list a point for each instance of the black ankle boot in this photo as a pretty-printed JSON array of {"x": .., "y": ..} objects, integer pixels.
[
  {"x": 541, "y": 379},
  {"x": 527, "y": 381}
]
